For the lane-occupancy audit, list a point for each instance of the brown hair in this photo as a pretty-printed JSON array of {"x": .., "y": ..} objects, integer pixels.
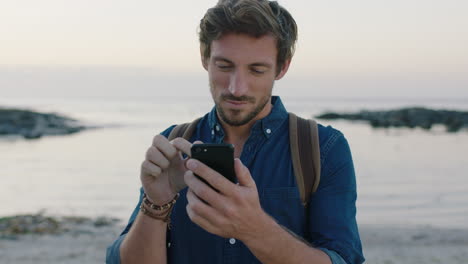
[{"x": 253, "y": 17}]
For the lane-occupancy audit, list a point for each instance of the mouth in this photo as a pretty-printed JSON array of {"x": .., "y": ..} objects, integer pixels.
[{"x": 235, "y": 103}]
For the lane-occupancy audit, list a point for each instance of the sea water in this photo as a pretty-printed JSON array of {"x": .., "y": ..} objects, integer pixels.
[{"x": 405, "y": 176}]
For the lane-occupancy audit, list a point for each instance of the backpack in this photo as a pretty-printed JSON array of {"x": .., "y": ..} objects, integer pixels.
[{"x": 305, "y": 151}]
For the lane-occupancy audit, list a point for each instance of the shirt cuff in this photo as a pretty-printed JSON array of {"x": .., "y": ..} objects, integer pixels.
[
  {"x": 334, "y": 257},
  {"x": 113, "y": 251}
]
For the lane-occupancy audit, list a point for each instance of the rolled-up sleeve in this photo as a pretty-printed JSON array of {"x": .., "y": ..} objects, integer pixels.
[
  {"x": 332, "y": 209},
  {"x": 113, "y": 251},
  {"x": 334, "y": 257}
]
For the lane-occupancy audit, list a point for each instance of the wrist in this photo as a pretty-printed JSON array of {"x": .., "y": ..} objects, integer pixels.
[
  {"x": 263, "y": 228},
  {"x": 158, "y": 212},
  {"x": 160, "y": 198},
  {"x": 159, "y": 207}
]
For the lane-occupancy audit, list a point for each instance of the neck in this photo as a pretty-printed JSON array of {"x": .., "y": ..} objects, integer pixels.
[{"x": 238, "y": 135}]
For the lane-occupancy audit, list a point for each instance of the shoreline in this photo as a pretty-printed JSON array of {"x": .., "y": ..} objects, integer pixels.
[{"x": 86, "y": 242}]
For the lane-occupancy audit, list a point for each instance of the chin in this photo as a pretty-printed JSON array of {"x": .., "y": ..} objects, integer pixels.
[{"x": 237, "y": 119}]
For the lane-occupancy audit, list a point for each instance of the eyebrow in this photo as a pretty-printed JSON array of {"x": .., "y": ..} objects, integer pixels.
[
  {"x": 256, "y": 64},
  {"x": 218, "y": 58},
  {"x": 260, "y": 64}
]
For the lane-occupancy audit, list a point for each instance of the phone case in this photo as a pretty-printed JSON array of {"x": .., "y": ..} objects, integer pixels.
[{"x": 219, "y": 157}]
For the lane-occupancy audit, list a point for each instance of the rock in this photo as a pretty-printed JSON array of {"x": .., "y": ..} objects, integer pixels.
[
  {"x": 33, "y": 125},
  {"x": 29, "y": 224},
  {"x": 406, "y": 117},
  {"x": 39, "y": 224},
  {"x": 104, "y": 221}
]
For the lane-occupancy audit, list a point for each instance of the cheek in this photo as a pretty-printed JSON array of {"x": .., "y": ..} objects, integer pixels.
[
  {"x": 263, "y": 85},
  {"x": 219, "y": 81}
]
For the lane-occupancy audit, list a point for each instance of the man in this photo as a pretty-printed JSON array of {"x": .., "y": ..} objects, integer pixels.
[{"x": 246, "y": 45}]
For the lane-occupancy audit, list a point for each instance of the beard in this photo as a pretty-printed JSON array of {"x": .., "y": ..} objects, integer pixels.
[{"x": 234, "y": 117}]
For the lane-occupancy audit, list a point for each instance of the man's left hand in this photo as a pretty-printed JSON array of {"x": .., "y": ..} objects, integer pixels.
[{"x": 233, "y": 210}]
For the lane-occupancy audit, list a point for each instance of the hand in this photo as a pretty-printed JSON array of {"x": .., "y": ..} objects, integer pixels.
[
  {"x": 163, "y": 169},
  {"x": 233, "y": 211}
]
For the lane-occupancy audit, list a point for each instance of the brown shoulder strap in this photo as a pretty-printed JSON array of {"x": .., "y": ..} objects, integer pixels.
[
  {"x": 184, "y": 130},
  {"x": 304, "y": 143},
  {"x": 305, "y": 154}
]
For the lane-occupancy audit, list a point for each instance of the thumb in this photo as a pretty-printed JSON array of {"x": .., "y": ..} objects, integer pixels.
[{"x": 243, "y": 174}]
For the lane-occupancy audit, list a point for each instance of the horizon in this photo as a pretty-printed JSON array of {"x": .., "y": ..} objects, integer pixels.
[{"x": 376, "y": 48}]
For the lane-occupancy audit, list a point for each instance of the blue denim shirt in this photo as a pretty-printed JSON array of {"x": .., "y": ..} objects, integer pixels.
[{"x": 331, "y": 224}]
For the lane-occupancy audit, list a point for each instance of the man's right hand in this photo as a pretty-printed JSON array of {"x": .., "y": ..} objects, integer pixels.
[{"x": 162, "y": 172}]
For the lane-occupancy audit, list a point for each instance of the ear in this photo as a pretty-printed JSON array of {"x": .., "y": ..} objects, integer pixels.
[
  {"x": 202, "y": 57},
  {"x": 284, "y": 69}
]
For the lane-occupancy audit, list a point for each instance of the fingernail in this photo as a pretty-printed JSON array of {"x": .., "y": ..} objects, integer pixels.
[{"x": 191, "y": 164}]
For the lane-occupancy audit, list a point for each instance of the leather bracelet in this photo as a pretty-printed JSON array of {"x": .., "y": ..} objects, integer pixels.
[
  {"x": 146, "y": 208},
  {"x": 165, "y": 217},
  {"x": 163, "y": 207}
]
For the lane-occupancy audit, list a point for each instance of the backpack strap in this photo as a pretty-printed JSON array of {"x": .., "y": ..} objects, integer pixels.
[
  {"x": 305, "y": 155},
  {"x": 304, "y": 144},
  {"x": 184, "y": 130}
]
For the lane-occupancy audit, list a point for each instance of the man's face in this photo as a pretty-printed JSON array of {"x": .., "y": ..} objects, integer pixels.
[{"x": 242, "y": 70}]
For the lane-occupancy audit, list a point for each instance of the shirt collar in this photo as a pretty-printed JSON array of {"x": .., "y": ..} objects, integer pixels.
[{"x": 268, "y": 125}]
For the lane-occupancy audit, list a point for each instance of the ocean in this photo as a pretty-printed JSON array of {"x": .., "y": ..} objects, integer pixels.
[{"x": 405, "y": 176}]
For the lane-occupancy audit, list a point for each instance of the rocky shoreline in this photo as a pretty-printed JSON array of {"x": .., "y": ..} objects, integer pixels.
[
  {"x": 40, "y": 239},
  {"x": 406, "y": 117},
  {"x": 31, "y": 125},
  {"x": 13, "y": 227},
  {"x": 43, "y": 239}
]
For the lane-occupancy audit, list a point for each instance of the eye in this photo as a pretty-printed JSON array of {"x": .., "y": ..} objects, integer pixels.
[
  {"x": 223, "y": 66},
  {"x": 258, "y": 70}
]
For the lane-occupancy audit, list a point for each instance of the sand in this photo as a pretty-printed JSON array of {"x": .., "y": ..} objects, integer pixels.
[{"x": 382, "y": 245}]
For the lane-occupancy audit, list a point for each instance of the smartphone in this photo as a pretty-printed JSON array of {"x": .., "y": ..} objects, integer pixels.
[{"x": 219, "y": 157}]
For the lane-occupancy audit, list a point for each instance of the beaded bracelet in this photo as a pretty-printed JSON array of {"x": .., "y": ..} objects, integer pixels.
[
  {"x": 146, "y": 208},
  {"x": 165, "y": 217},
  {"x": 156, "y": 207}
]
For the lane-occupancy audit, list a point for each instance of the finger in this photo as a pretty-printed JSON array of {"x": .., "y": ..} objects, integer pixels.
[
  {"x": 162, "y": 144},
  {"x": 190, "y": 152},
  {"x": 155, "y": 156},
  {"x": 201, "y": 213},
  {"x": 196, "y": 142},
  {"x": 243, "y": 174},
  {"x": 182, "y": 145},
  {"x": 215, "y": 179},
  {"x": 149, "y": 168},
  {"x": 201, "y": 189},
  {"x": 200, "y": 221}
]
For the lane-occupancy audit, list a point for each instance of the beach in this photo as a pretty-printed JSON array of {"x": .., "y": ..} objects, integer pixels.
[
  {"x": 86, "y": 243},
  {"x": 86, "y": 87},
  {"x": 412, "y": 196}
]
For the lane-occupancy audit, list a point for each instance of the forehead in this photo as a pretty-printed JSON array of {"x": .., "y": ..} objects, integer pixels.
[{"x": 242, "y": 48}]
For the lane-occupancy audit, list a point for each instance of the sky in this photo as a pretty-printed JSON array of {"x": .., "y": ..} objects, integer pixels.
[{"x": 350, "y": 48}]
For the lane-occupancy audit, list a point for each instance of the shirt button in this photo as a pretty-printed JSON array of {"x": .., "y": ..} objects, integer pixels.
[
  {"x": 268, "y": 131},
  {"x": 217, "y": 128},
  {"x": 212, "y": 132},
  {"x": 232, "y": 241}
]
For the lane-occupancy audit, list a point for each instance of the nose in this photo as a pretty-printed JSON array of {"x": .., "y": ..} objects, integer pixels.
[{"x": 238, "y": 84}]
